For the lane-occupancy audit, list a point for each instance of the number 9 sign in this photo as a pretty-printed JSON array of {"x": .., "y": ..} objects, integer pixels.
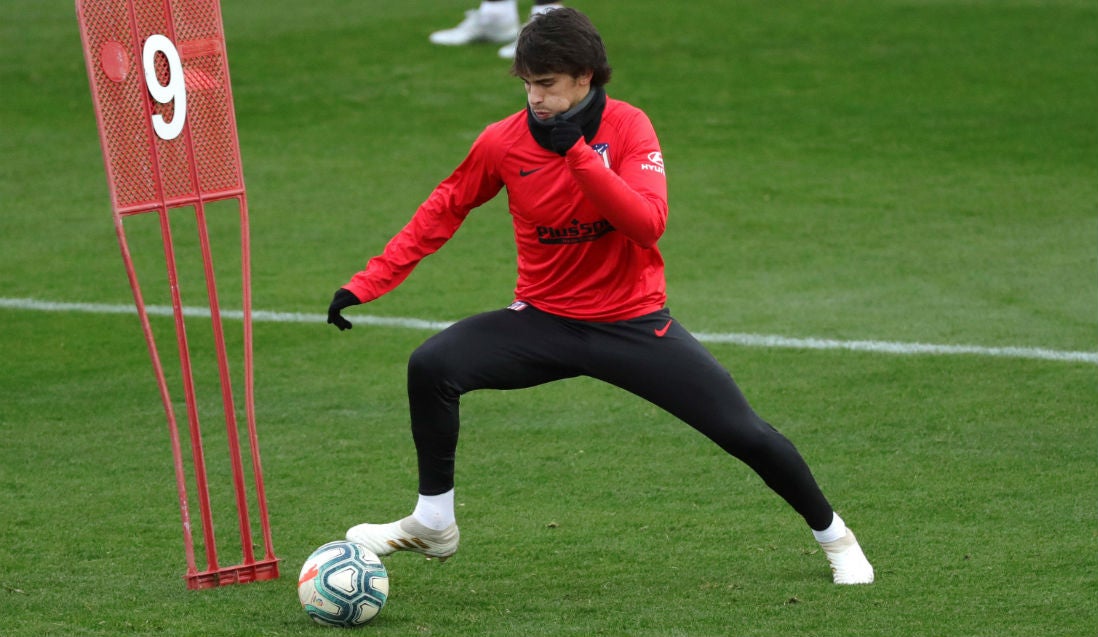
[
  {"x": 148, "y": 61},
  {"x": 158, "y": 68},
  {"x": 174, "y": 92}
]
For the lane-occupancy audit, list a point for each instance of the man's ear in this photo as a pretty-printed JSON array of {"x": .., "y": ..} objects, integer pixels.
[{"x": 584, "y": 79}]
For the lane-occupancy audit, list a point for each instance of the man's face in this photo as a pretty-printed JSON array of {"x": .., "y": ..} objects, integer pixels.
[{"x": 554, "y": 93}]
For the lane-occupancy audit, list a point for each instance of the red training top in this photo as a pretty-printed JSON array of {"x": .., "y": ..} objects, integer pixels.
[{"x": 586, "y": 224}]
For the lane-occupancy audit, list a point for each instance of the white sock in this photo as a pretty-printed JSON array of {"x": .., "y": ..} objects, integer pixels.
[
  {"x": 834, "y": 532},
  {"x": 435, "y": 511},
  {"x": 539, "y": 9},
  {"x": 500, "y": 11}
]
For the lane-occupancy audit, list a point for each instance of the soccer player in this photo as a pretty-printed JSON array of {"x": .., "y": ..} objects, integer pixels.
[
  {"x": 492, "y": 21},
  {"x": 588, "y": 199}
]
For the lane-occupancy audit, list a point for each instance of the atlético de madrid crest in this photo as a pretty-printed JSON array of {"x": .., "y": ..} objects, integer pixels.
[{"x": 603, "y": 149}]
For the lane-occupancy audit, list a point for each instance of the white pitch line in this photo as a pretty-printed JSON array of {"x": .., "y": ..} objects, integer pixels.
[{"x": 747, "y": 340}]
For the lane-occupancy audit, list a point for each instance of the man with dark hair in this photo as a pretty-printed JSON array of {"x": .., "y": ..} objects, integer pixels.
[{"x": 588, "y": 199}]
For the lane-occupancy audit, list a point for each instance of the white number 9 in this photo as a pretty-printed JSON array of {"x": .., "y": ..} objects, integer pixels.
[{"x": 175, "y": 91}]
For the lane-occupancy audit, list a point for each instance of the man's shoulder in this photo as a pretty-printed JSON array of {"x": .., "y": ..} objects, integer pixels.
[
  {"x": 498, "y": 138},
  {"x": 622, "y": 110},
  {"x": 507, "y": 126}
]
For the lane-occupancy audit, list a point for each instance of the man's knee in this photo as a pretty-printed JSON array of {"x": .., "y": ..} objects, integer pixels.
[
  {"x": 747, "y": 435},
  {"x": 431, "y": 365}
]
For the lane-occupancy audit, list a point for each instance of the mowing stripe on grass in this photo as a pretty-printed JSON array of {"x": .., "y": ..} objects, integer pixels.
[{"x": 747, "y": 340}]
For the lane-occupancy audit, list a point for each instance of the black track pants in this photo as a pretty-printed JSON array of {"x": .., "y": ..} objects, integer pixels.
[{"x": 650, "y": 356}]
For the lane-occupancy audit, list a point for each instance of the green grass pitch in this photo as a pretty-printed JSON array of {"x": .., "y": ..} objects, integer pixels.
[{"x": 902, "y": 171}]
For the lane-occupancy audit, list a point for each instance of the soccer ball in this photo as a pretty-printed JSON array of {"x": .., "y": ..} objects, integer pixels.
[{"x": 343, "y": 584}]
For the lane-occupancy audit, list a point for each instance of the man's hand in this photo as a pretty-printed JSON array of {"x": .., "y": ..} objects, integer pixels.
[
  {"x": 564, "y": 136},
  {"x": 343, "y": 298}
]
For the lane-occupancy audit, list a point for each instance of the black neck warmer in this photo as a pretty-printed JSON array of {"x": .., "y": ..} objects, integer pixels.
[{"x": 588, "y": 114}]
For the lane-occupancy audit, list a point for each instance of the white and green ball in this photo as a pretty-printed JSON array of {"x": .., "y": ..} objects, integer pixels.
[{"x": 343, "y": 584}]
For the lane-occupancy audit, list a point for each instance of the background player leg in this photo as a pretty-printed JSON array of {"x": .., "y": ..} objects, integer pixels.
[{"x": 492, "y": 21}]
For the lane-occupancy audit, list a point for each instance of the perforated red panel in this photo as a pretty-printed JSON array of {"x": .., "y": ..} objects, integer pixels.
[
  {"x": 163, "y": 102},
  {"x": 145, "y": 170}
]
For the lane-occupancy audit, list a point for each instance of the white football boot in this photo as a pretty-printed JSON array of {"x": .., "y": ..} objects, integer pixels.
[
  {"x": 480, "y": 26},
  {"x": 406, "y": 535},
  {"x": 848, "y": 563},
  {"x": 507, "y": 51}
]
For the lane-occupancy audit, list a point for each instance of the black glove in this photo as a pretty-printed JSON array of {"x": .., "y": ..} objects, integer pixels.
[
  {"x": 564, "y": 136},
  {"x": 343, "y": 298}
]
